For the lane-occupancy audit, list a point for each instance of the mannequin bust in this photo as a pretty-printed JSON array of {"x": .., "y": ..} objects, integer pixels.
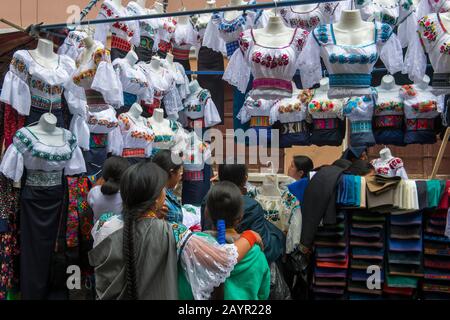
[
  {"x": 158, "y": 7},
  {"x": 44, "y": 54},
  {"x": 131, "y": 58},
  {"x": 386, "y": 154},
  {"x": 135, "y": 113},
  {"x": 118, "y": 4},
  {"x": 194, "y": 87},
  {"x": 270, "y": 186},
  {"x": 141, "y": 3},
  {"x": 389, "y": 166},
  {"x": 275, "y": 34},
  {"x": 88, "y": 51},
  {"x": 351, "y": 30},
  {"x": 322, "y": 91},
  {"x": 423, "y": 84},
  {"x": 210, "y": 4},
  {"x": 445, "y": 19},
  {"x": 388, "y": 84},
  {"x": 47, "y": 132},
  {"x": 159, "y": 124},
  {"x": 155, "y": 64},
  {"x": 231, "y": 15}
]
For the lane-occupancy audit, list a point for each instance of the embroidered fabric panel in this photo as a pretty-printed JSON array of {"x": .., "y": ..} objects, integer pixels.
[{"x": 36, "y": 178}]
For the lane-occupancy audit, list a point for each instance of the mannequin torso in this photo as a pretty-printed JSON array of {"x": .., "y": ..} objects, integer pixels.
[
  {"x": 423, "y": 84},
  {"x": 47, "y": 132},
  {"x": 158, "y": 7},
  {"x": 44, "y": 54},
  {"x": 89, "y": 50},
  {"x": 155, "y": 65},
  {"x": 231, "y": 15},
  {"x": 135, "y": 114},
  {"x": 194, "y": 87},
  {"x": 275, "y": 34},
  {"x": 388, "y": 90},
  {"x": 351, "y": 30},
  {"x": 160, "y": 125},
  {"x": 321, "y": 93},
  {"x": 170, "y": 63},
  {"x": 131, "y": 58}
]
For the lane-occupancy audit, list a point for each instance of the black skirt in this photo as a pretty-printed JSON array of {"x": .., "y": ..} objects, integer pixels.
[
  {"x": 210, "y": 60},
  {"x": 40, "y": 214}
]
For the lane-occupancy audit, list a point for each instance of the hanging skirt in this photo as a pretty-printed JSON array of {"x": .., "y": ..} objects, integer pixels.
[
  {"x": 41, "y": 205},
  {"x": 328, "y": 132},
  {"x": 196, "y": 185},
  {"x": 210, "y": 60}
]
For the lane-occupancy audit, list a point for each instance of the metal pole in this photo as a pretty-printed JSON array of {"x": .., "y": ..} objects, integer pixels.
[{"x": 190, "y": 13}]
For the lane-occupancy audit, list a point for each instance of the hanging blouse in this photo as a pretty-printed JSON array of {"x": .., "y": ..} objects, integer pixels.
[
  {"x": 133, "y": 79},
  {"x": 359, "y": 110},
  {"x": 222, "y": 35},
  {"x": 148, "y": 28},
  {"x": 293, "y": 116},
  {"x": 323, "y": 13},
  {"x": 256, "y": 110},
  {"x": 101, "y": 88},
  {"x": 349, "y": 67},
  {"x": 272, "y": 68},
  {"x": 73, "y": 45},
  {"x": 433, "y": 39},
  {"x": 284, "y": 212},
  {"x": 28, "y": 152},
  {"x": 124, "y": 33},
  {"x": 401, "y": 13},
  {"x": 137, "y": 137},
  {"x": 165, "y": 90},
  {"x": 200, "y": 106},
  {"x": 328, "y": 120},
  {"x": 196, "y": 154},
  {"x": 421, "y": 109},
  {"x": 171, "y": 137},
  {"x": 200, "y": 24},
  {"x": 181, "y": 79},
  {"x": 393, "y": 167},
  {"x": 184, "y": 38},
  {"x": 388, "y": 119},
  {"x": 166, "y": 33}
]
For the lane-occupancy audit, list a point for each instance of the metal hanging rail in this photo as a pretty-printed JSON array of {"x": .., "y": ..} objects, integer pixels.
[{"x": 257, "y": 6}]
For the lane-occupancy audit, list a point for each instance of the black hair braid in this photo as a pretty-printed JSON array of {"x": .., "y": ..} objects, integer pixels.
[{"x": 130, "y": 255}]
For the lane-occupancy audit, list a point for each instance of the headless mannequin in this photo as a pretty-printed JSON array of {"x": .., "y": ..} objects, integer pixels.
[
  {"x": 155, "y": 65},
  {"x": 131, "y": 58},
  {"x": 204, "y": 18},
  {"x": 158, "y": 7},
  {"x": 351, "y": 30},
  {"x": 322, "y": 91},
  {"x": 47, "y": 132},
  {"x": 88, "y": 51},
  {"x": 170, "y": 63},
  {"x": 445, "y": 19},
  {"x": 135, "y": 114},
  {"x": 160, "y": 125},
  {"x": 142, "y": 3},
  {"x": 423, "y": 84},
  {"x": 270, "y": 186},
  {"x": 388, "y": 90},
  {"x": 275, "y": 34},
  {"x": 231, "y": 15},
  {"x": 386, "y": 154},
  {"x": 118, "y": 4},
  {"x": 194, "y": 87},
  {"x": 385, "y": 163},
  {"x": 183, "y": 20},
  {"x": 44, "y": 54}
]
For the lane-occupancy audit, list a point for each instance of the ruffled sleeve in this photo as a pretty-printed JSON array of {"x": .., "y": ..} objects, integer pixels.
[
  {"x": 238, "y": 70},
  {"x": 212, "y": 38},
  {"x": 181, "y": 137},
  {"x": 274, "y": 113},
  {"x": 115, "y": 142},
  {"x": 106, "y": 80},
  {"x": 211, "y": 115},
  {"x": 415, "y": 60},
  {"x": 76, "y": 164},
  {"x": 309, "y": 62},
  {"x": 16, "y": 91},
  {"x": 172, "y": 103},
  {"x": 390, "y": 48},
  {"x": 408, "y": 25},
  {"x": 80, "y": 128},
  {"x": 12, "y": 163},
  {"x": 205, "y": 263},
  {"x": 183, "y": 85}
]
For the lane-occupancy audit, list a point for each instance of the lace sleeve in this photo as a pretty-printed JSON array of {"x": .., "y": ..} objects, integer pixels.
[
  {"x": 309, "y": 63},
  {"x": 12, "y": 164},
  {"x": 415, "y": 61},
  {"x": 115, "y": 142},
  {"x": 206, "y": 264},
  {"x": 108, "y": 84},
  {"x": 212, "y": 38},
  {"x": 76, "y": 165},
  {"x": 407, "y": 30},
  {"x": 212, "y": 116},
  {"x": 238, "y": 70},
  {"x": 392, "y": 54}
]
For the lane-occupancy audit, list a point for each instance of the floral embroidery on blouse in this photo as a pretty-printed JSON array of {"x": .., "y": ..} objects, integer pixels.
[
  {"x": 425, "y": 106},
  {"x": 321, "y": 106},
  {"x": 306, "y": 95},
  {"x": 19, "y": 65},
  {"x": 389, "y": 106},
  {"x": 45, "y": 87},
  {"x": 429, "y": 28},
  {"x": 291, "y": 107},
  {"x": 109, "y": 124},
  {"x": 143, "y": 135},
  {"x": 269, "y": 61},
  {"x": 445, "y": 48},
  {"x": 117, "y": 25},
  {"x": 229, "y": 26},
  {"x": 409, "y": 90},
  {"x": 353, "y": 58}
]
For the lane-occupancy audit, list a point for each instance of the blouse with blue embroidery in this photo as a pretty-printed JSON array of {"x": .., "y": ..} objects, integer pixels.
[{"x": 349, "y": 66}]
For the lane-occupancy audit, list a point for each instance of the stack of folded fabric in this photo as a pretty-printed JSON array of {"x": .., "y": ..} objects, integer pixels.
[
  {"x": 331, "y": 260},
  {"x": 351, "y": 191},
  {"x": 406, "y": 196},
  {"x": 381, "y": 192},
  {"x": 436, "y": 284},
  {"x": 405, "y": 255},
  {"x": 367, "y": 247}
]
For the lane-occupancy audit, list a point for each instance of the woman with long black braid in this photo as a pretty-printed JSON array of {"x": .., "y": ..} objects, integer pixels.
[{"x": 139, "y": 261}]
